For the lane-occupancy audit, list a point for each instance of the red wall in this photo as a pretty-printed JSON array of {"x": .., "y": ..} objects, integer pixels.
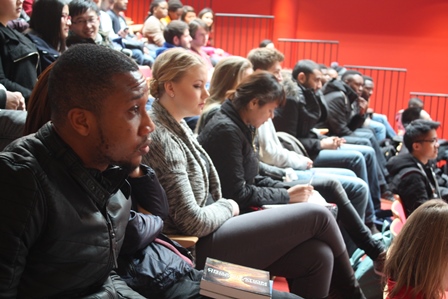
[{"x": 411, "y": 34}]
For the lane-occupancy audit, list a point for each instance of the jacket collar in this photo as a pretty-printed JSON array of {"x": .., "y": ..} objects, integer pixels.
[
  {"x": 99, "y": 185},
  {"x": 338, "y": 85},
  {"x": 228, "y": 109}
]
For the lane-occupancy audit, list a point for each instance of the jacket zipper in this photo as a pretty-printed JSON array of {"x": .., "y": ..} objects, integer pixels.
[
  {"x": 30, "y": 54},
  {"x": 26, "y": 56},
  {"x": 113, "y": 242}
]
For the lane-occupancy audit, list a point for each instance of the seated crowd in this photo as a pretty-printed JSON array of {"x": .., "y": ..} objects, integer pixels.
[{"x": 97, "y": 180}]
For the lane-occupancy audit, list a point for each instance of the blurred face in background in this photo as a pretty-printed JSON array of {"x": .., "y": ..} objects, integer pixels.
[
  {"x": 208, "y": 19},
  {"x": 200, "y": 38},
  {"x": 86, "y": 25}
]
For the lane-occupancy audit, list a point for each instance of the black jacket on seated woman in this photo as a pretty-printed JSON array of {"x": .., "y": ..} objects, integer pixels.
[{"x": 239, "y": 176}]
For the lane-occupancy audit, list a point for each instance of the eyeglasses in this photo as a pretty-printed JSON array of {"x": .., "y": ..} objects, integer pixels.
[
  {"x": 432, "y": 140},
  {"x": 85, "y": 22},
  {"x": 66, "y": 16}
]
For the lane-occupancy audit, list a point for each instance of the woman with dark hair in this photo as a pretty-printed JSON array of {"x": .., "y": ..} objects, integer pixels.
[
  {"x": 207, "y": 15},
  {"x": 188, "y": 14},
  {"x": 301, "y": 242},
  {"x": 49, "y": 26}
]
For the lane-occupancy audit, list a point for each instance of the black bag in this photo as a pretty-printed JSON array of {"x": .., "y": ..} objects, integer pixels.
[{"x": 388, "y": 148}]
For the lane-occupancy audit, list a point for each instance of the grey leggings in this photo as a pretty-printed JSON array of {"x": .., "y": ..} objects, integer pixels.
[{"x": 298, "y": 241}]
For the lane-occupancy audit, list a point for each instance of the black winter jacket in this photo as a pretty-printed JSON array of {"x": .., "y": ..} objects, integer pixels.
[
  {"x": 147, "y": 266},
  {"x": 18, "y": 61},
  {"x": 47, "y": 54},
  {"x": 62, "y": 224},
  {"x": 302, "y": 111},
  {"x": 412, "y": 184},
  {"x": 229, "y": 143},
  {"x": 342, "y": 117}
]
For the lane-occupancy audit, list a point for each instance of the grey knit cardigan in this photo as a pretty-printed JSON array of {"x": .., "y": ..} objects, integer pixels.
[{"x": 175, "y": 155}]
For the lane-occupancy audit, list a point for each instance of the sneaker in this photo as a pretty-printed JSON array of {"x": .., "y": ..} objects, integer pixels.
[{"x": 378, "y": 264}]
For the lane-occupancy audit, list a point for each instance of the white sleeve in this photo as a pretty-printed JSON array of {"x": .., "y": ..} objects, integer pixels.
[{"x": 273, "y": 153}]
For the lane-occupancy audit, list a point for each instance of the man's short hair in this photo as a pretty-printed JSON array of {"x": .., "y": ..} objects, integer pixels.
[
  {"x": 195, "y": 25},
  {"x": 415, "y": 102},
  {"x": 305, "y": 66},
  {"x": 174, "y": 5},
  {"x": 264, "y": 43},
  {"x": 410, "y": 114},
  {"x": 264, "y": 58},
  {"x": 174, "y": 28},
  {"x": 416, "y": 130},
  {"x": 79, "y": 7},
  {"x": 367, "y": 78},
  {"x": 348, "y": 75},
  {"x": 83, "y": 77}
]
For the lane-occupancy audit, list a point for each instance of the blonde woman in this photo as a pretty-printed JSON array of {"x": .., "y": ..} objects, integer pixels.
[
  {"x": 417, "y": 262},
  {"x": 228, "y": 73},
  {"x": 299, "y": 242}
]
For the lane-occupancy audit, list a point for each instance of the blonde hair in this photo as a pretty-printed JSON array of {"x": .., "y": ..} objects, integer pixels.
[
  {"x": 171, "y": 65},
  {"x": 418, "y": 257},
  {"x": 227, "y": 75}
]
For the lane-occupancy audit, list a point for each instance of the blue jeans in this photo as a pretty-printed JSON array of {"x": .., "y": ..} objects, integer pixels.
[
  {"x": 356, "y": 189},
  {"x": 378, "y": 129},
  {"x": 381, "y": 118},
  {"x": 365, "y": 136}
]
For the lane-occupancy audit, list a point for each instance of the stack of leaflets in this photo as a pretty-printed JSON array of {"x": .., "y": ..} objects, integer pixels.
[{"x": 226, "y": 280}]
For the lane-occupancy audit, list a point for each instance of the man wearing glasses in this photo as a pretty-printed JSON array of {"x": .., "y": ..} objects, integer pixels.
[{"x": 412, "y": 173}]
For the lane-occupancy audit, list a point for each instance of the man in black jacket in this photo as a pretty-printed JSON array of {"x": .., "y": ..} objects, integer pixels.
[
  {"x": 64, "y": 197},
  {"x": 303, "y": 110},
  {"x": 346, "y": 113},
  {"x": 412, "y": 174}
]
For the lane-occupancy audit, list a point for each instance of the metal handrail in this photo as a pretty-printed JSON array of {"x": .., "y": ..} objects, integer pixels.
[
  {"x": 428, "y": 94},
  {"x": 377, "y": 68},
  {"x": 308, "y": 41},
  {"x": 243, "y": 15}
]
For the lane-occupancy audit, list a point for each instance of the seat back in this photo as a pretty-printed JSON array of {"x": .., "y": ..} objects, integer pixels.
[
  {"x": 396, "y": 226},
  {"x": 398, "y": 210}
]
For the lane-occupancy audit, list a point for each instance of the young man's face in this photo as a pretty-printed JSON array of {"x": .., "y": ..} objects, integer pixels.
[
  {"x": 313, "y": 81},
  {"x": 121, "y": 5},
  {"x": 367, "y": 89},
  {"x": 356, "y": 83},
  {"x": 121, "y": 131},
  {"x": 200, "y": 38},
  {"x": 427, "y": 146},
  {"x": 276, "y": 70},
  {"x": 86, "y": 25},
  {"x": 184, "y": 41}
]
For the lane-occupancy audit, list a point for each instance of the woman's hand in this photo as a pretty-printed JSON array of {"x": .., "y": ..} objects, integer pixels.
[
  {"x": 236, "y": 207},
  {"x": 300, "y": 193}
]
